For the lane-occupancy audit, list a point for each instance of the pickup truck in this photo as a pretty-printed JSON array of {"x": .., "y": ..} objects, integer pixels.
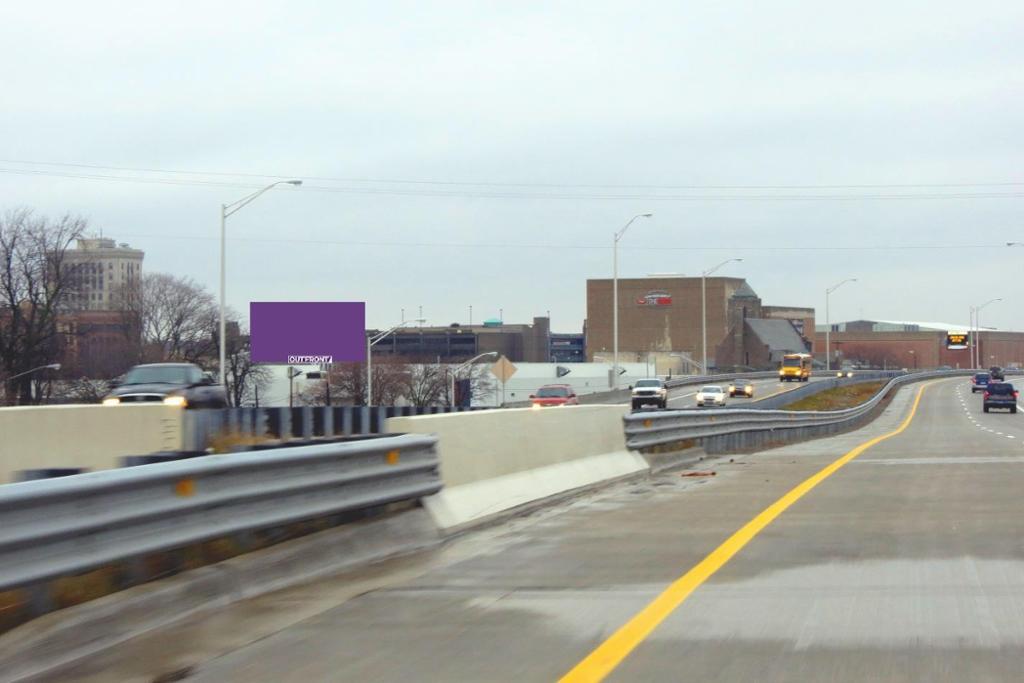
[
  {"x": 1000, "y": 395},
  {"x": 174, "y": 384},
  {"x": 649, "y": 392}
]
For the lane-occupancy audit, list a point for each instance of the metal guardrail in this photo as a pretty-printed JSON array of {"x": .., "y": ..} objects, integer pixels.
[
  {"x": 644, "y": 430},
  {"x": 301, "y": 423},
  {"x": 58, "y": 527},
  {"x": 690, "y": 380}
]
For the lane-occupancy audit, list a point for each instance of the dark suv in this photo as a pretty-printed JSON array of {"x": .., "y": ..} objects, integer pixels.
[
  {"x": 1000, "y": 395},
  {"x": 996, "y": 373},
  {"x": 174, "y": 384},
  {"x": 979, "y": 381}
]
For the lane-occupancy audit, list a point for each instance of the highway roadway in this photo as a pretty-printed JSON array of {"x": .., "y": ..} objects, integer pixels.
[
  {"x": 684, "y": 397},
  {"x": 892, "y": 553}
]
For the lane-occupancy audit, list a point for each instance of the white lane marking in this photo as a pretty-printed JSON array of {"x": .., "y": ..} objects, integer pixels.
[{"x": 951, "y": 460}]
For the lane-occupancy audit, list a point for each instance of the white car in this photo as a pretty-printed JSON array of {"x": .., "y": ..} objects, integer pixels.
[{"x": 711, "y": 396}]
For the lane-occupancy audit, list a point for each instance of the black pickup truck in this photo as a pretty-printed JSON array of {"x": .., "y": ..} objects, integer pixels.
[{"x": 1000, "y": 395}]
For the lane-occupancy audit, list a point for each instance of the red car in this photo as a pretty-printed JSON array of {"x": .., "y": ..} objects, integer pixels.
[{"x": 554, "y": 395}]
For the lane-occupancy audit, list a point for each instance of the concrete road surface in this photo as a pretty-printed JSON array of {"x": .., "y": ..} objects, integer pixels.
[
  {"x": 685, "y": 397},
  {"x": 906, "y": 564}
]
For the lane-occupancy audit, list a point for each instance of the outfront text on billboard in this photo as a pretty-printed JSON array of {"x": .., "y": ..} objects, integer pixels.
[{"x": 308, "y": 332}]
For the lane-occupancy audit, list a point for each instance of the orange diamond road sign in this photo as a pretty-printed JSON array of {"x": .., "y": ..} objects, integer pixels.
[{"x": 503, "y": 369}]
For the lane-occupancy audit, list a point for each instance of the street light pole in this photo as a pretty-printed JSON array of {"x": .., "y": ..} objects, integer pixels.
[
  {"x": 828, "y": 323},
  {"x": 977, "y": 326},
  {"x": 973, "y": 340},
  {"x": 225, "y": 211},
  {"x": 455, "y": 372},
  {"x": 704, "y": 312},
  {"x": 51, "y": 366},
  {"x": 615, "y": 297},
  {"x": 371, "y": 341}
]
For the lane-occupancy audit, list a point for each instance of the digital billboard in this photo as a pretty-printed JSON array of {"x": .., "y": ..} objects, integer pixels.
[
  {"x": 308, "y": 332},
  {"x": 956, "y": 340}
]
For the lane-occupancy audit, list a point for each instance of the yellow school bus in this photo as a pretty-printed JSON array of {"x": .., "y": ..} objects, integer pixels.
[{"x": 795, "y": 366}]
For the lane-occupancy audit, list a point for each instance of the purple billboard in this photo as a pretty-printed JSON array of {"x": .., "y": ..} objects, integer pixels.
[{"x": 308, "y": 332}]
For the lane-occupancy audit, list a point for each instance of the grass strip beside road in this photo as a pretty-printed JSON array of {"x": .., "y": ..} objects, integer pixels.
[{"x": 838, "y": 398}]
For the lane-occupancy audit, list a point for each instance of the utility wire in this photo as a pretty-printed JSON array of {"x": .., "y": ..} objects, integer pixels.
[
  {"x": 489, "y": 245},
  {"x": 533, "y": 195},
  {"x": 404, "y": 181}
]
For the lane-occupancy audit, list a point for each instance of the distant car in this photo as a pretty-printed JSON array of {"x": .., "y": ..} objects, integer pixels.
[
  {"x": 1000, "y": 395},
  {"x": 551, "y": 395},
  {"x": 979, "y": 381},
  {"x": 648, "y": 392},
  {"x": 711, "y": 395},
  {"x": 996, "y": 373},
  {"x": 741, "y": 387},
  {"x": 173, "y": 384},
  {"x": 944, "y": 367}
]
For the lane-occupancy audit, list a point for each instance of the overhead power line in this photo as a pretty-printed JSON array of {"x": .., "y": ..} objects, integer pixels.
[
  {"x": 492, "y": 190},
  {"x": 521, "y": 245}
]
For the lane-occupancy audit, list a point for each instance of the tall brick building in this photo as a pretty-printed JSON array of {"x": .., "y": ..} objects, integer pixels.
[{"x": 661, "y": 318}]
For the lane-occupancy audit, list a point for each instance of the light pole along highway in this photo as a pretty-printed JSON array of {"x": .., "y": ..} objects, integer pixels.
[
  {"x": 455, "y": 372},
  {"x": 704, "y": 312},
  {"x": 615, "y": 297},
  {"x": 828, "y": 323},
  {"x": 371, "y": 341},
  {"x": 976, "y": 346},
  {"x": 225, "y": 211},
  {"x": 51, "y": 366}
]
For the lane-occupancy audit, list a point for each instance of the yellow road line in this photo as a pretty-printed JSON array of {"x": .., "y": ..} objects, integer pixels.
[{"x": 609, "y": 654}]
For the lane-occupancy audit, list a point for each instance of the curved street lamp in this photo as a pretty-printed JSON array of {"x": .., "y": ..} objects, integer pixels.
[
  {"x": 455, "y": 372},
  {"x": 371, "y": 341},
  {"x": 225, "y": 211},
  {"x": 51, "y": 366},
  {"x": 615, "y": 297},
  {"x": 976, "y": 347},
  {"x": 828, "y": 323},
  {"x": 704, "y": 311}
]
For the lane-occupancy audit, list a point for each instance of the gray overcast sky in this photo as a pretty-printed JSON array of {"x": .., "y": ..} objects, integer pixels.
[{"x": 554, "y": 93}]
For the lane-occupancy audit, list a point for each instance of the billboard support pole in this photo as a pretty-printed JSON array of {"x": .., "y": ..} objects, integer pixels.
[{"x": 369, "y": 372}]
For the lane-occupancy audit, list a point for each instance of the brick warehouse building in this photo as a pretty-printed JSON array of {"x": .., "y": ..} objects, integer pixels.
[
  {"x": 914, "y": 345},
  {"x": 660, "y": 318}
]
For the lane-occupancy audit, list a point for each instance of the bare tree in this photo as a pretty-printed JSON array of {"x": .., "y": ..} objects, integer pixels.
[
  {"x": 245, "y": 379},
  {"x": 80, "y": 391},
  {"x": 35, "y": 288},
  {"x": 348, "y": 384},
  {"x": 178, "y": 317},
  {"x": 425, "y": 384}
]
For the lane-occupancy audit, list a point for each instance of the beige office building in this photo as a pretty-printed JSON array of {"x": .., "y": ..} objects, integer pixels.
[{"x": 104, "y": 271}]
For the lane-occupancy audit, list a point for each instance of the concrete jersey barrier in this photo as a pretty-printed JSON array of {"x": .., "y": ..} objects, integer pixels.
[
  {"x": 493, "y": 462},
  {"x": 83, "y": 437}
]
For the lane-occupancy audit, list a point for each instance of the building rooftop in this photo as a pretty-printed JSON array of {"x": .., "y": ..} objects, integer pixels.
[
  {"x": 778, "y": 335},
  {"x": 904, "y": 326}
]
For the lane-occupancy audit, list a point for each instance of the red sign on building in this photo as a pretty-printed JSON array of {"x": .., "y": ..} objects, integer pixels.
[{"x": 658, "y": 298}]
